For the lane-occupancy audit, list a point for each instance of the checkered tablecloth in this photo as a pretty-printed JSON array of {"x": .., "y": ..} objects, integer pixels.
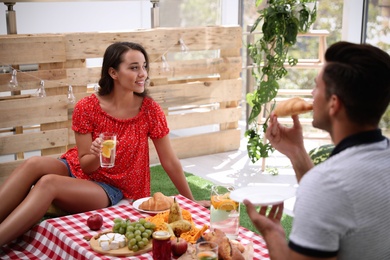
[{"x": 63, "y": 237}]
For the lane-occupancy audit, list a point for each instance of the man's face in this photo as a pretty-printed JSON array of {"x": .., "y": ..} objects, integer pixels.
[{"x": 321, "y": 117}]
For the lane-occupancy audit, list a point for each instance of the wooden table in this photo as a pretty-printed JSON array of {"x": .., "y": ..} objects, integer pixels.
[{"x": 63, "y": 237}]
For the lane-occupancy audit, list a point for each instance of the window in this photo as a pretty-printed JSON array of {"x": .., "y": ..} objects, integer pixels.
[{"x": 377, "y": 24}]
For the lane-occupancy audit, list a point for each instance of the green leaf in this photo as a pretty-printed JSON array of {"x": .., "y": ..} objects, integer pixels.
[
  {"x": 255, "y": 146},
  {"x": 291, "y": 32},
  {"x": 303, "y": 19},
  {"x": 254, "y": 114},
  {"x": 267, "y": 91},
  {"x": 249, "y": 98},
  {"x": 258, "y": 2}
]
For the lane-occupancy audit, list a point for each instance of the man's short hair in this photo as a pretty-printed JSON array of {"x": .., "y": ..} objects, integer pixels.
[{"x": 359, "y": 74}]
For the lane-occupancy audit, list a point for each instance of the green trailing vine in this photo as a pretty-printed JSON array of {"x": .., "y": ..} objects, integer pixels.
[{"x": 280, "y": 21}]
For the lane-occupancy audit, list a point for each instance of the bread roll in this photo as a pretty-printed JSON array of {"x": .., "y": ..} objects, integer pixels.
[
  {"x": 292, "y": 106},
  {"x": 226, "y": 249},
  {"x": 157, "y": 203}
]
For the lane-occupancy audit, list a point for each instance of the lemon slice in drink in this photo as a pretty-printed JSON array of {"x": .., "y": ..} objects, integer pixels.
[
  {"x": 106, "y": 152},
  {"x": 223, "y": 202},
  {"x": 108, "y": 145},
  {"x": 227, "y": 205}
]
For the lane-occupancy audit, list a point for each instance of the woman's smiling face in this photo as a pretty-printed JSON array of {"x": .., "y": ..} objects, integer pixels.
[{"x": 132, "y": 72}]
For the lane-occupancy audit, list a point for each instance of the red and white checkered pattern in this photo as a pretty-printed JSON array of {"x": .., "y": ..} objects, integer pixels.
[{"x": 63, "y": 238}]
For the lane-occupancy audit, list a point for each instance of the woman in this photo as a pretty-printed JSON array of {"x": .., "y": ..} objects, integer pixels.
[{"x": 76, "y": 182}]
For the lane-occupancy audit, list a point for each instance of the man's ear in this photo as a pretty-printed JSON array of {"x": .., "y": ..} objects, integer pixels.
[
  {"x": 112, "y": 73},
  {"x": 335, "y": 105}
]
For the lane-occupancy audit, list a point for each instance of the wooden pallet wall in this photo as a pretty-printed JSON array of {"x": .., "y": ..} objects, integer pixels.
[{"x": 197, "y": 86}]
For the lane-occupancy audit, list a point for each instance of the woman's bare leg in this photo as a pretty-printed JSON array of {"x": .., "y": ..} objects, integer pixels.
[
  {"x": 72, "y": 195},
  {"x": 18, "y": 184}
]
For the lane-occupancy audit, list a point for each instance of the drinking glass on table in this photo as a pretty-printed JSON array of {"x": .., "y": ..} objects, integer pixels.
[
  {"x": 224, "y": 212},
  {"x": 107, "y": 153},
  {"x": 206, "y": 250}
]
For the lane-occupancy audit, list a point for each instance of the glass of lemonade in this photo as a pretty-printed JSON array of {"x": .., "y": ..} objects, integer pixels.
[
  {"x": 206, "y": 250},
  {"x": 224, "y": 212},
  {"x": 107, "y": 154}
]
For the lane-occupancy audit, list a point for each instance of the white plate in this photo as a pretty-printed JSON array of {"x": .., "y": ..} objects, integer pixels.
[
  {"x": 263, "y": 194},
  {"x": 139, "y": 201}
]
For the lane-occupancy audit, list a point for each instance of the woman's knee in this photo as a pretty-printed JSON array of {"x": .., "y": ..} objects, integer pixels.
[
  {"x": 32, "y": 161},
  {"x": 44, "y": 165},
  {"x": 49, "y": 183}
]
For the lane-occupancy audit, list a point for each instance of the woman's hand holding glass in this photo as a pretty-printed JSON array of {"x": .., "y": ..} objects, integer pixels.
[{"x": 96, "y": 147}]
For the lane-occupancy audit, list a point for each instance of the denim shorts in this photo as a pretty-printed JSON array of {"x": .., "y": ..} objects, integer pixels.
[{"x": 114, "y": 194}]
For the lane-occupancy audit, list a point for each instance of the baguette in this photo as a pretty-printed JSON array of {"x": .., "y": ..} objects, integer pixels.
[
  {"x": 292, "y": 106},
  {"x": 156, "y": 203}
]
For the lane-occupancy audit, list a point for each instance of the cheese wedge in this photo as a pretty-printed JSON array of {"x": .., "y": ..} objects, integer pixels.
[{"x": 112, "y": 241}]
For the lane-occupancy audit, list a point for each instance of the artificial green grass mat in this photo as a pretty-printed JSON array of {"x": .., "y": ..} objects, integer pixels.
[{"x": 201, "y": 191}]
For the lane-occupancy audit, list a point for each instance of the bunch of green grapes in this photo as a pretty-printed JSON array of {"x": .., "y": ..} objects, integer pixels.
[{"x": 138, "y": 233}]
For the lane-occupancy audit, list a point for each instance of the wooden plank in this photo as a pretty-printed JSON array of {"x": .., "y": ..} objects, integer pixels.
[
  {"x": 52, "y": 126},
  {"x": 315, "y": 33},
  {"x": 185, "y": 68},
  {"x": 203, "y": 144},
  {"x": 33, "y": 141},
  {"x": 190, "y": 68},
  {"x": 83, "y": 76},
  {"x": 34, "y": 48},
  {"x": 223, "y": 105},
  {"x": 156, "y": 41},
  {"x": 197, "y": 93},
  {"x": 33, "y": 111},
  {"x": 6, "y": 168},
  {"x": 188, "y": 120},
  {"x": 295, "y": 92},
  {"x": 15, "y": 97},
  {"x": 31, "y": 79}
]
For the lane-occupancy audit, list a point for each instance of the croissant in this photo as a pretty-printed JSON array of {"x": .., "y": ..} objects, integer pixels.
[
  {"x": 292, "y": 106},
  {"x": 226, "y": 249},
  {"x": 156, "y": 203}
]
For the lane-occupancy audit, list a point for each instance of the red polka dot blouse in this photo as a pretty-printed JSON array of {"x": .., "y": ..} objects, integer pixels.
[{"x": 131, "y": 173}]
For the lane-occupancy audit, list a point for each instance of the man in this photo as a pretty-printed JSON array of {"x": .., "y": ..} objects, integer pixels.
[{"x": 343, "y": 204}]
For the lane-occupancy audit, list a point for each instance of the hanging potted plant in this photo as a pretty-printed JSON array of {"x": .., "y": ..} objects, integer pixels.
[{"x": 281, "y": 21}]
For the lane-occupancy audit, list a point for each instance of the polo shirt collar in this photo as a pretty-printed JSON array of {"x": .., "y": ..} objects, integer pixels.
[{"x": 358, "y": 139}]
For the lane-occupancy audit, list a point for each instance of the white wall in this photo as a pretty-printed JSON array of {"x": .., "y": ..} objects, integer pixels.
[
  {"x": 230, "y": 9},
  {"x": 92, "y": 16},
  {"x": 352, "y": 20},
  {"x": 64, "y": 17}
]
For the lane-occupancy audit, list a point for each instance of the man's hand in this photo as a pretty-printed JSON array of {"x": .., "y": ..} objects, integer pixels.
[
  {"x": 270, "y": 228},
  {"x": 204, "y": 203},
  {"x": 284, "y": 139},
  {"x": 289, "y": 141},
  {"x": 266, "y": 223}
]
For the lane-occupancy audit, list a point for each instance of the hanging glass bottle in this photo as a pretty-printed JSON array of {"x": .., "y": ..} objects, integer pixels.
[
  {"x": 41, "y": 90},
  {"x": 183, "y": 46},
  {"x": 71, "y": 97},
  {"x": 13, "y": 83},
  {"x": 165, "y": 64}
]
